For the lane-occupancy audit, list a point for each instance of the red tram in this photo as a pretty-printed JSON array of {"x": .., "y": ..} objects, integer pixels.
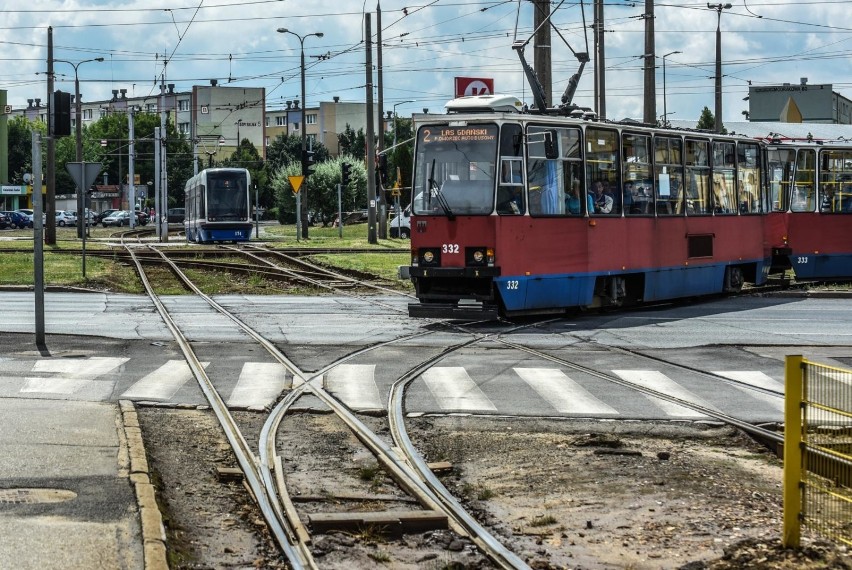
[{"x": 521, "y": 213}]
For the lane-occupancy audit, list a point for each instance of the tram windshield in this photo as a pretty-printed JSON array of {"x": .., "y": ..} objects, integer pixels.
[
  {"x": 227, "y": 196},
  {"x": 454, "y": 170}
]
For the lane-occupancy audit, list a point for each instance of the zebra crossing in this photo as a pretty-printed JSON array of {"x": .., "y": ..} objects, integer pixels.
[{"x": 448, "y": 389}]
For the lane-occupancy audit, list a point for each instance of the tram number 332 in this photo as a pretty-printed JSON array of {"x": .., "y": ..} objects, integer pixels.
[
  {"x": 450, "y": 248},
  {"x": 802, "y": 259},
  {"x": 512, "y": 285}
]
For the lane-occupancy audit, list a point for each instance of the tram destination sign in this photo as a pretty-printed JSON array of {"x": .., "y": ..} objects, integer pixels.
[{"x": 459, "y": 134}]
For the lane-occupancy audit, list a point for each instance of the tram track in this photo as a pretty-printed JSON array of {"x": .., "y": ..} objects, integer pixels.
[{"x": 264, "y": 474}]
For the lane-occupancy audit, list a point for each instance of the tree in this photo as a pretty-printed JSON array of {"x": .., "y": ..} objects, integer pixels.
[
  {"x": 287, "y": 149},
  {"x": 707, "y": 121},
  {"x": 323, "y": 189},
  {"x": 351, "y": 143},
  {"x": 113, "y": 130},
  {"x": 246, "y": 156},
  {"x": 21, "y": 147}
]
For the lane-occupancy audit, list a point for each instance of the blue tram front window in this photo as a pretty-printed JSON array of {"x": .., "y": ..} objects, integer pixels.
[
  {"x": 227, "y": 196},
  {"x": 454, "y": 170}
]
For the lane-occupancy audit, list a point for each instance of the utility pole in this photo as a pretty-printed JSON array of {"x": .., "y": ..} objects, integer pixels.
[
  {"x": 131, "y": 168},
  {"x": 162, "y": 218},
  {"x": 157, "y": 164},
  {"x": 541, "y": 47},
  {"x": 38, "y": 245},
  {"x": 650, "y": 115},
  {"x": 383, "y": 213},
  {"x": 718, "y": 8},
  {"x": 372, "y": 237},
  {"x": 50, "y": 207},
  {"x": 600, "y": 61}
]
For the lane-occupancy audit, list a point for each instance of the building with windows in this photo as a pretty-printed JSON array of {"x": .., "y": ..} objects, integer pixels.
[
  {"x": 323, "y": 123},
  {"x": 802, "y": 103}
]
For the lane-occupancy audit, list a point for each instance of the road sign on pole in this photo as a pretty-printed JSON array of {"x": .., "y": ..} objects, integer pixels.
[
  {"x": 84, "y": 173},
  {"x": 296, "y": 182}
]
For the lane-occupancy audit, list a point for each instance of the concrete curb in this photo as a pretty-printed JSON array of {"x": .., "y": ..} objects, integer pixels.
[{"x": 153, "y": 532}]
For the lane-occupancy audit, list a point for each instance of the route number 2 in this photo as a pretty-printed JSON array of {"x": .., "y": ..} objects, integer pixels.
[{"x": 450, "y": 248}]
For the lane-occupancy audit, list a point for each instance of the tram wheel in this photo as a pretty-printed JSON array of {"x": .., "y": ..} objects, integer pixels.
[{"x": 733, "y": 279}]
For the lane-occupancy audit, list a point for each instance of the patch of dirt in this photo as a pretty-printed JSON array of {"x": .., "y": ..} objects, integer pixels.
[
  {"x": 597, "y": 495},
  {"x": 579, "y": 495}
]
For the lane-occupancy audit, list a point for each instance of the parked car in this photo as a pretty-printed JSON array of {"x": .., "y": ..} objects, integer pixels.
[
  {"x": 4, "y": 221},
  {"x": 90, "y": 217},
  {"x": 18, "y": 220},
  {"x": 176, "y": 215},
  {"x": 100, "y": 217},
  {"x": 117, "y": 218},
  {"x": 357, "y": 217},
  {"x": 65, "y": 218},
  {"x": 400, "y": 226},
  {"x": 29, "y": 213}
]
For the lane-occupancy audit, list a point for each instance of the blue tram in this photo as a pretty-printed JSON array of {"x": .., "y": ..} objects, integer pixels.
[
  {"x": 218, "y": 206},
  {"x": 517, "y": 212}
]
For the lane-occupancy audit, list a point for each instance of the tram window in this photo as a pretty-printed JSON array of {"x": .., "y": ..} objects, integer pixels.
[
  {"x": 553, "y": 168},
  {"x": 668, "y": 175},
  {"x": 724, "y": 187},
  {"x": 603, "y": 170},
  {"x": 803, "y": 198},
  {"x": 835, "y": 181},
  {"x": 697, "y": 180},
  {"x": 780, "y": 166},
  {"x": 748, "y": 175},
  {"x": 638, "y": 191},
  {"x": 455, "y": 169}
]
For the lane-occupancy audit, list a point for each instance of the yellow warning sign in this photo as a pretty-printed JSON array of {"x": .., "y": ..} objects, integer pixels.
[
  {"x": 396, "y": 192},
  {"x": 296, "y": 182}
]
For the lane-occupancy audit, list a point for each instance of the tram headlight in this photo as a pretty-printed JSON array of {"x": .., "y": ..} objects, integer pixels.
[
  {"x": 428, "y": 256},
  {"x": 478, "y": 256}
]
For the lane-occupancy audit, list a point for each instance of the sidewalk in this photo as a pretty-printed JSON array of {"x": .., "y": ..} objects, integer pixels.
[{"x": 74, "y": 488}]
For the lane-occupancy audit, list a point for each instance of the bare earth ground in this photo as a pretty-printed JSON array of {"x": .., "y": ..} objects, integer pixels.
[{"x": 561, "y": 494}]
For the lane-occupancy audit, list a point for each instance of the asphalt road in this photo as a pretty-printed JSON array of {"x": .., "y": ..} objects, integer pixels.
[{"x": 105, "y": 347}]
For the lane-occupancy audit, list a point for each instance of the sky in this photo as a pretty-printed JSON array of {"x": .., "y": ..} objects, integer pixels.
[{"x": 425, "y": 46}]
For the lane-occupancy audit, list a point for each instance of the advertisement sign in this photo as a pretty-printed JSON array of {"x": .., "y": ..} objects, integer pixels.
[{"x": 466, "y": 86}]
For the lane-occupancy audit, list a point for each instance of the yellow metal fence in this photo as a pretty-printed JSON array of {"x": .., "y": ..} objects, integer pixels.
[{"x": 817, "y": 451}]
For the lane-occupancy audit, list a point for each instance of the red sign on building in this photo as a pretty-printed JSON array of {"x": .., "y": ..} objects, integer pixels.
[{"x": 466, "y": 86}]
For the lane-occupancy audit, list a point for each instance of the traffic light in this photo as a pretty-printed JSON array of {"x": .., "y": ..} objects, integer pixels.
[
  {"x": 344, "y": 173},
  {"x": 383, "y": 168},
  {"x": 308, "y": 162},
  {"x": 60, "y": 112}
]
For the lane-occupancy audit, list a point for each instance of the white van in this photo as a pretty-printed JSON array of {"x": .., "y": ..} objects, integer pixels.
[{"x": 400, "y": 226}]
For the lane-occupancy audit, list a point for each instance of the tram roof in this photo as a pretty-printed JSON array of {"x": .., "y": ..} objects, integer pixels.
[{"x": 784, "y": 132}]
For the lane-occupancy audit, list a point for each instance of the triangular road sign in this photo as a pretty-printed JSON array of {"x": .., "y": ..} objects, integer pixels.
[
  {"x": 296, "y": 182},
  {"x": 84, "y": 173}
]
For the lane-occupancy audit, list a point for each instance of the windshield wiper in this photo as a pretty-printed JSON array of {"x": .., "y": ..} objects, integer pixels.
[{"x": 442, "y": 201}]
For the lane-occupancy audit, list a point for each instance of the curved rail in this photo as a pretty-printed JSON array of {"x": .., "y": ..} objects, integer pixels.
[
  {"x": 295, "y": 550},
  {"x": 412, "y": 482}
]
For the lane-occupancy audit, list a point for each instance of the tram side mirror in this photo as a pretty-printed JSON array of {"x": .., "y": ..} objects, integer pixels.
[{"x": 550, "y": 150}]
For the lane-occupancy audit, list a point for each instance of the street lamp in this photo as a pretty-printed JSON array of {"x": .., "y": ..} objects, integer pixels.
[
  {"x": 303, "y": 215},
  {"x": 718, "y": 8},
  {"x": 78, "y": 111},
  {"x": 665, "y": 112},
  {"x": 394, "y": 119}
]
